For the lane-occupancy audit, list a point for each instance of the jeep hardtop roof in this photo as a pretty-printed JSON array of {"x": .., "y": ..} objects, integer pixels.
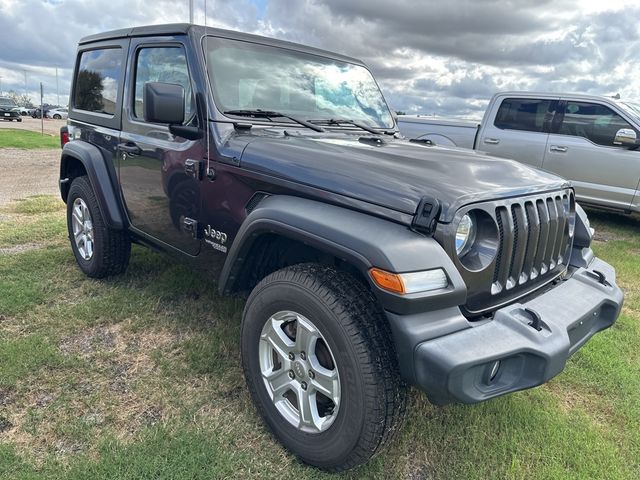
[{"x": 200, "y": 30}]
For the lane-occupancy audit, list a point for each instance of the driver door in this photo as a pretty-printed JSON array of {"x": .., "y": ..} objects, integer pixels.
[{"x": 160, "y": 190}]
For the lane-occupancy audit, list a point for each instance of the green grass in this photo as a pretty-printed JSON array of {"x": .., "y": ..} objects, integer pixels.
[
  {"x": 139, "y": 377},
  {"x": 12, "y": 138}
]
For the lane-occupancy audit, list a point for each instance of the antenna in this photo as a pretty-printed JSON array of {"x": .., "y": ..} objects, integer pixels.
[{"x": 208, "y": 87}]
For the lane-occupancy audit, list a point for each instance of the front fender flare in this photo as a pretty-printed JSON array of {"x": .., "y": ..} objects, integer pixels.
[{"x": 362, "y": 240}]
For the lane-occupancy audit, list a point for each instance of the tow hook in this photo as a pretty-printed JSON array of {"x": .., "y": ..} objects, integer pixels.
[
  {"x": 602, "y": 279},
  {"x": 536, "y": 321}
]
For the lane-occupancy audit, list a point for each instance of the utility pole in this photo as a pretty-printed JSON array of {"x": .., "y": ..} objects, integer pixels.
[
  {"x": 57, "y": 89},
  {"x": 0, "y": 85},
  {"x": 25, "y": 82},
  {"x": 190, "y": 11},
  {"x": 41, "y": 109}
]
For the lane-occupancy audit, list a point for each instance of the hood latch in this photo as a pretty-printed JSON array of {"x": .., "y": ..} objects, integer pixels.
[{"x": 426, "y": 218}]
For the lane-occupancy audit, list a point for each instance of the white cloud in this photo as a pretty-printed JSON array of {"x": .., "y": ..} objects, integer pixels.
[{"x": 429, "y": 56}]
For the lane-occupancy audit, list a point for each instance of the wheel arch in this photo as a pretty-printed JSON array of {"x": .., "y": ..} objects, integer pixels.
[
  {"x": 81, "y": 158},
  {"x": 351, "y": 240}
]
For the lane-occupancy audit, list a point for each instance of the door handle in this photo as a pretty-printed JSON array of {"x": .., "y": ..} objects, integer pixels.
[
  {"x": 557, "y": 148},
  {"x": 130, "y": 148},
  {"x": 492, "y": 141}
]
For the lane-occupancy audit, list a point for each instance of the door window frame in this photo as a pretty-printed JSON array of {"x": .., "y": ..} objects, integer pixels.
[
  {"x": 546, "y": 126},
  {"x": 130, "y": 90}
]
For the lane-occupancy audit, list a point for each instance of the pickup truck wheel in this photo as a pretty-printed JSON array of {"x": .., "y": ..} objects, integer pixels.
[
  {"x": 99, "y": 250},
  {"x": 320, "y": 365}
]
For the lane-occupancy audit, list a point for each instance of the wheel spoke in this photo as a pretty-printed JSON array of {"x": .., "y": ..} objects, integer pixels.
[
  {"x": 306, "y": 336},
  {"x": 326, "y": 382},
  {"x": 278, "y": 340},
  {"x": 307, "y": 409},
  {"x": 76, "y": 217},
  {"x": 279, "y": 382},
  {"x": 77, "y": 212}
]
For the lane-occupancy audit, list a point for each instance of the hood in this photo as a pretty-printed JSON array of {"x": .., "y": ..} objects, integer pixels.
[{"x": 393, "y": 173}]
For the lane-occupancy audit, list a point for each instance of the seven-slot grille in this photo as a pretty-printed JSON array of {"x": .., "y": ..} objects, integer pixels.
[{"x": 533, "y": 239}]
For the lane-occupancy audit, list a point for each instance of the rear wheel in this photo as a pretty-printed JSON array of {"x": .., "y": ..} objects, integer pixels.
[
  {"x": 99, "y": 250},
  {"x": 57, "y": 117},
  {"x": 320, "y": 366}
]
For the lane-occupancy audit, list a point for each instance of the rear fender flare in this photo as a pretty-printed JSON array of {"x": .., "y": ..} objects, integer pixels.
[{"x": 96, "y": 167}]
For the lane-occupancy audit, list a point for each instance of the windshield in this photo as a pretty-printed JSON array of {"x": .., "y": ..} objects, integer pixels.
[
  {"x": 7, "y": 102},
  {"x": 631, "y": 108},
  {"x": 248, "y": 76}
]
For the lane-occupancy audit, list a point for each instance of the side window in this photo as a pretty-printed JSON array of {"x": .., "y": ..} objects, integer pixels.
[
  {"x": 162, "y": 64},
  {"x": 593, "y": 122},
  {"x": 531, "y": 115},
  {"x": 97, "y": 83}
]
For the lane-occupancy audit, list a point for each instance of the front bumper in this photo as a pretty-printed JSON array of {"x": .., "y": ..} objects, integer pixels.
[{"x": 461, "y": 366}]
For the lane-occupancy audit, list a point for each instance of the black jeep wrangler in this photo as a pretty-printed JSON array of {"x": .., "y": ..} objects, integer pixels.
[{"x": 370, "y": 262}]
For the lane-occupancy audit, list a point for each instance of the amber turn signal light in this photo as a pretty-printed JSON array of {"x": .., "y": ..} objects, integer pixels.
[{"x": 387, "y": 281}]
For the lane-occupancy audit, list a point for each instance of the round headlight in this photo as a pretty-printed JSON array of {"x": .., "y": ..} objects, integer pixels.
[{"x": 465, "y": 235}]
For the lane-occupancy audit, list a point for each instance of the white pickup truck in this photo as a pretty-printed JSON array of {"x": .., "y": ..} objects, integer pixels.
[{"x": 591, "y": 140}]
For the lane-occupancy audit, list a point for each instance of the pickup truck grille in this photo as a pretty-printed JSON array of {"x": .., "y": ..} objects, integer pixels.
[{"x": 534, "y": 246}]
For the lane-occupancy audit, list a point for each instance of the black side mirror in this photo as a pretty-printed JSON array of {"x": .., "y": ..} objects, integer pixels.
[{"x": 163, "y": 103}]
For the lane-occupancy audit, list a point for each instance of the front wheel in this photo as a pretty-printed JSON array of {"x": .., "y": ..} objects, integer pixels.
[
  {"x": 57, "y": 117},
  {"x": 320, "y": 366}
]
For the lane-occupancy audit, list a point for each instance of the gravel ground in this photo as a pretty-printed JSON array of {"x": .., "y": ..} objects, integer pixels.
[
  {"x": 28, "y": 172},
  {"x": 51, "y": 126}
]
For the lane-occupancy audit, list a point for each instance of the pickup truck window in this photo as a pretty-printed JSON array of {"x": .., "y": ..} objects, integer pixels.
[
  {"x": 162, "y": 64},
  {"x": 248, "y": 76},
  {"x": 532, "y": 115},
  {"x": 96, "y": 86},
  {"x": 592, "y": 121}
]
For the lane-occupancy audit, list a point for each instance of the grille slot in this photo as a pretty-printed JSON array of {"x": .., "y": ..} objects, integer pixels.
[{"x": 533, "y": 240}]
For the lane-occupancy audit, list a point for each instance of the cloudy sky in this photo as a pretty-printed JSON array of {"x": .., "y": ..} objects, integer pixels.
[{"x": 432, "y": 57}]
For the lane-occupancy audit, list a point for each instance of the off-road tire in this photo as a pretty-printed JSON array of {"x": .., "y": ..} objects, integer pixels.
[
  {"x": 112, "y": 248},
  {"x": 373, "y": 396}
]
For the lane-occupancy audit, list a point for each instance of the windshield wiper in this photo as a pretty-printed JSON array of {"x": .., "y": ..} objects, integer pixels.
[
  {"x": 339, "y": 121},
  {"x": 257, "y": 113}
]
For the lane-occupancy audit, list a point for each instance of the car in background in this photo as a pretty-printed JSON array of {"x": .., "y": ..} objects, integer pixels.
[
  {"x": 57, "y": 113},
  {"x": 24, "y": 111},
  {"x": 36, "y": 113},
  {"x": 592, "y": 140},
  {"x": 9, "y": 110}
]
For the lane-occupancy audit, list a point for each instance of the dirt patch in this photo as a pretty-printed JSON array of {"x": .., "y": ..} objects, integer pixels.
[
  {"x": 25, "y": 247},
  {"x": 110, "y": 386},
  {"x": 28, "y": 172}
]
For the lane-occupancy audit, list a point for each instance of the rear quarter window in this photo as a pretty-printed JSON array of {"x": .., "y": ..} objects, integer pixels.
[
  {"x": 97, "y": 81},
  {"x": 531, "y": 115}
]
